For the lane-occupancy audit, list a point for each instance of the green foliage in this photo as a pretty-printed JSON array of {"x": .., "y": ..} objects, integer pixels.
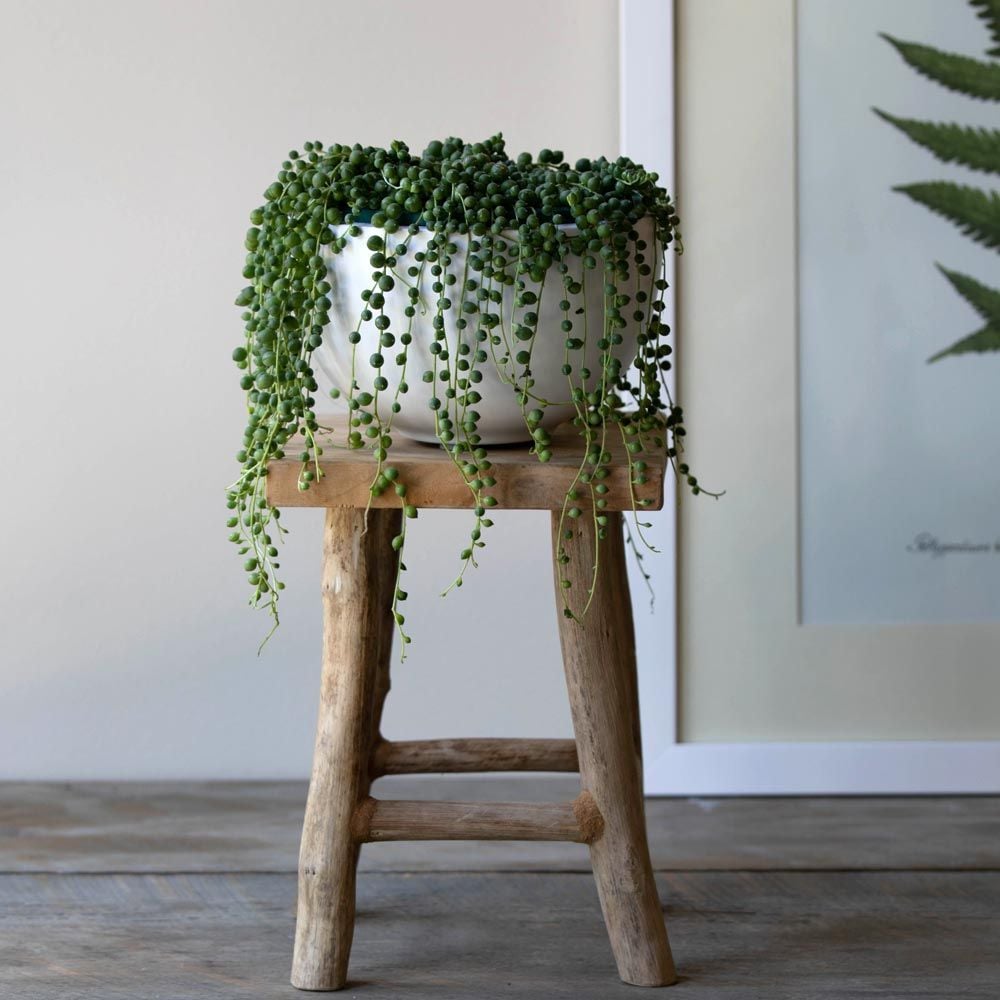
[
  {"x": 968, "y": 76},
  {"x": 985, "y": 300},
  {"x": 976, "y": 148},
  {"x": 526, "y": 221},
  {"x": 975, "y": 212},
  {"x": 986, "y": 339},
  {"x": 989, "y": 11}
]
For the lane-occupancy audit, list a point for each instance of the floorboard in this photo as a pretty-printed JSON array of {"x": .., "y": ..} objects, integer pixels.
[
  {"x": 185, "y": 891},
  {"x": 205, "y": 827},
  {"x": 736, "y": 935}
]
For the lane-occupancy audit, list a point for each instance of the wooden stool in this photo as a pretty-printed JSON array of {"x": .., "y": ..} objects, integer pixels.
[{"x": 350, "y": 753}]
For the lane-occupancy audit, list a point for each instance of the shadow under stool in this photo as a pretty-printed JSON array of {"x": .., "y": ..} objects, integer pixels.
[{"x": 359, "y": 579}]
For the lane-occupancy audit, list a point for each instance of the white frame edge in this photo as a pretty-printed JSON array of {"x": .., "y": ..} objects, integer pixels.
[
  {"x": 897, "y": 767},
  {"x": 646, "y": 131}
]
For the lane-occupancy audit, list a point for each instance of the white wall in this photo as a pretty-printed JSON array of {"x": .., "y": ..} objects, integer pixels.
[{"x": 135, "y": 139}]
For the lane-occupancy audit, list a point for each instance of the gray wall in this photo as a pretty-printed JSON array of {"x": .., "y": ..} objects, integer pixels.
[{"x": 136, "y": 137}]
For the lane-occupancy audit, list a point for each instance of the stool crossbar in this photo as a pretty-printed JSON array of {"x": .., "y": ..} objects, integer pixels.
[{"x": 351, "y": 754}]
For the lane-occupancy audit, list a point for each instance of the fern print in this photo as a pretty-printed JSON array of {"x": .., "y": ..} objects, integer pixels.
[
  {"x": 967, "y": 146},
  {"x": 974, "y": 211}
]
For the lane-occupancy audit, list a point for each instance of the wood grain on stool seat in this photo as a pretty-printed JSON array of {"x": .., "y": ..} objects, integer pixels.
[{"x": 523, "y": 483}]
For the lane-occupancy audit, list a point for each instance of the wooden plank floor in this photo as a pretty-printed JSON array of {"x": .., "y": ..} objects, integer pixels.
[{"x": 181, "y": 891}]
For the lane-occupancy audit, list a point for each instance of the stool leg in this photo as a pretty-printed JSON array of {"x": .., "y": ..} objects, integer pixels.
[
  {"x": 358, "y": 577},
  {"x": 599, "y": 659}
]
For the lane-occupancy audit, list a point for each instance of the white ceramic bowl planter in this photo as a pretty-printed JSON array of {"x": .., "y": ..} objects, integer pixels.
[{"x": 501, "y": 420}]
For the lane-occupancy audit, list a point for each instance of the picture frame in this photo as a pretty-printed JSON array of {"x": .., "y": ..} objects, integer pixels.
[{"x": 732, "y": 580}]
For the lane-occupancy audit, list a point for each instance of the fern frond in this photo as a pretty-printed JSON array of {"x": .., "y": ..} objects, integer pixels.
[
  {"x": 989, "y": 11},
  {"x": 977, "y": 148},
  {"x": 982, "y": 298},
  {"x": 986, "y": 339},
  {"x": 968, "y": 76},
  {"x": 975, "y": 212}
]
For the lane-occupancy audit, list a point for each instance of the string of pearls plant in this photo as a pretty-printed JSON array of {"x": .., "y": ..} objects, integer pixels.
[{"x": 498, "y": 239}]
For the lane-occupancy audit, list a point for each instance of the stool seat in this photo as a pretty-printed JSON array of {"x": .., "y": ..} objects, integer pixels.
[
  {"x": 598, "y": 658},
  {"x": 523, "y": 483}
]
